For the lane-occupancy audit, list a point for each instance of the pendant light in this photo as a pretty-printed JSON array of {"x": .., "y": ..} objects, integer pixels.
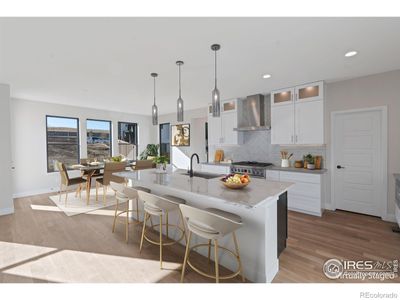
[
  {"x": 179, "y": 103},
  {"x": 216, "y": 103},
  {"x": 154, "y": 109}
]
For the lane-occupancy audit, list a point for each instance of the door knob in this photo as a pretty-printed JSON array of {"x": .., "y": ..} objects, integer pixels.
[{"x": 339, "y": 167}]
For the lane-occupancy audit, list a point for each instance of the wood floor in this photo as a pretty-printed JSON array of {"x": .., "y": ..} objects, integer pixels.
[{"x": 40, "y": 244}]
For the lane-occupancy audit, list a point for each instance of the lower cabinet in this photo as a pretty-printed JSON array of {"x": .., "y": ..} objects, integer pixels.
[
  {"x": 282, "y": 218},
  {"x": 308, "y": 193},
  {"x": 216, "y": 169}
]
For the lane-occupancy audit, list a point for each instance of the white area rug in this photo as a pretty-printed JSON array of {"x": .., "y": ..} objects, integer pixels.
[{"x": 76, "y": 206}]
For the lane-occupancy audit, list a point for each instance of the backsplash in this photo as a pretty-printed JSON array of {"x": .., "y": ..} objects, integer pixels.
[{"x": 257, "y": 147}]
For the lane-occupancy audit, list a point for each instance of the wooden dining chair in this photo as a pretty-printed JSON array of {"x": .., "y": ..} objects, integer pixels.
[
  {"x": 65, "y": 181},
  {"x": 109, "y": 169},
  {"x": 144, "y": 164}
]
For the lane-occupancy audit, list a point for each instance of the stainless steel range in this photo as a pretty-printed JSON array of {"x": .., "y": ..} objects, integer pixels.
[{"x": 253, "y": 168}]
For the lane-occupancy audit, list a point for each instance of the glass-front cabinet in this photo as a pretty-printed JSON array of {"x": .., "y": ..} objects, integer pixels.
[
  {"x": 309, "y": 92},
  {"x": 282, "y": 96}
]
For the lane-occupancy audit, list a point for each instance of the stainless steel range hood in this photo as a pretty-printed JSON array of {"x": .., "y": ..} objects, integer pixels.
[{"x": 254, "y": 113}]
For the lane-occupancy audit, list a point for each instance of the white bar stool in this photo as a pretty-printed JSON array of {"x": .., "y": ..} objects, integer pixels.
[
  {"x": 212, "y": 224},
  {"x": 160, "y": 206},
  {"x": 126, "y": 194}
]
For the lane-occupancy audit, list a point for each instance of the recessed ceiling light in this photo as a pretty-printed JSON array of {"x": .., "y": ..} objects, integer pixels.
[
  {"x": 351, "y": 53},
  {"x": 266, "y": 76}
]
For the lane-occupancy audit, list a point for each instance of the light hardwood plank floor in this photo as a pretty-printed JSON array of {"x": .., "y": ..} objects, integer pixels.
[{"x": 40, "y": 244}]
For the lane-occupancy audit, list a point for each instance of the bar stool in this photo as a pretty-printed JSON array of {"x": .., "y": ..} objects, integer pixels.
[
  {"x": 160, "y": 206},
  {"x": 211, "y": 224},
  {"x": 126, "y": 194}
]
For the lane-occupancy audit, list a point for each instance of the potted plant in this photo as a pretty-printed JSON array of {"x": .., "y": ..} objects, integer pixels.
[
  {"x": 161, "y": 163},
  {"x": 150, "y": 152},
  {"x": 309, "y": 162}
]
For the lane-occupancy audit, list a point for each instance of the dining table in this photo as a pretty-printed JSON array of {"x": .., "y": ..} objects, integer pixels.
[{"x": 93, "y": 169}]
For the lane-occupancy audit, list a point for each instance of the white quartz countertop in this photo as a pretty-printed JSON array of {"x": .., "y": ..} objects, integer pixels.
[{"x": 258, "y": 192}]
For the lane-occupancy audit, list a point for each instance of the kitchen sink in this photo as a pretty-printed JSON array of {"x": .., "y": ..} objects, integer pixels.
[{"x": 203, "y": 175}]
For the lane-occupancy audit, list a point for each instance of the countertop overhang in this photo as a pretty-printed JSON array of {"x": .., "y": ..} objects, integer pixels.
[{"x": 258, "y": 192}]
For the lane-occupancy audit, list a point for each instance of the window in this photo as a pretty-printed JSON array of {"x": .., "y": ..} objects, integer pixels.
[
  {"x": 62, "y": 141},
  {"x": 165, "y": 139},
  {"x": 128, "y": 139},
  {"x": 98, "y": 134}
]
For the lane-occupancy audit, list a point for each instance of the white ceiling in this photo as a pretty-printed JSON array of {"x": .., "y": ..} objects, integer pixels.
[{"x": 106, "y": 62}]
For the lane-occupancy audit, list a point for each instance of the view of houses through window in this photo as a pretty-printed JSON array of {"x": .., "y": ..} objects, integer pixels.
[
  {"x": 62, "y": 141},
  {"x": 127, "y": 139},
  {"x": 98, "y": 139}
]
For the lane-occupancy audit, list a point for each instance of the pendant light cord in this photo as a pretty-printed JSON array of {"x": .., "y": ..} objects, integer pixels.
[
  {"x": 179, "y": 81},
  {"x": 154, "y": 90},
  {"x": 215, "y": 65}
]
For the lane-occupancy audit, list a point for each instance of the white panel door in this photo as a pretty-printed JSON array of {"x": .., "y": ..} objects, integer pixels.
[
  {"x": 358, "y": 179},
  {"x": 282, "y": 124},
  {"x": 309, "y": 122}
]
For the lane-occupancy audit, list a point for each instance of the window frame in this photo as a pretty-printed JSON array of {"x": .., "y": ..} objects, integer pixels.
[
  {"x": 47, "y": 139},
  {"x": 136, "y": 134},
  {"x": 111, "y": 134}
]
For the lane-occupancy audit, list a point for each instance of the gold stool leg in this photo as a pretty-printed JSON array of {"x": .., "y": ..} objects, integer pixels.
[
  {"x": 216, "y": 261},
  {"x": 160, "y": 241},
  {"x": 66, "y": 195},
  {"x": 137, "y": 209},
  {"x": 59, "y": 198},
  {"x": 238, "y": 256},
  {"x": 183, "y": 226},
  {"x": 143, "y": 230},
  {"x": 209, "y": 251},
  {"x": 166, "y": 222},
  {"x": 186, "y": 256},
  {"x": 127, "y": 222},
  {"x": 115, "y": 216},
  {"x": 104, "y": 194},
  {"x": 97, "y": 191}
]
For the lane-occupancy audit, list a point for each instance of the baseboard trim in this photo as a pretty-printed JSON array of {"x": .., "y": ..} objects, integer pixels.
[
  {"x": 35, "y": 192},
  {"x": 6, "y": 211},
  {"x": 389, "y": 218}
]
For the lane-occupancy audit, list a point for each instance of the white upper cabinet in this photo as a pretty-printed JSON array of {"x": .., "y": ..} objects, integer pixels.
[
  {"x": 297, "y": 115},
  {"x": 221, "y": 130},
  {"x": 309, "y": 122},
  {"x": 282, "y": 124}
]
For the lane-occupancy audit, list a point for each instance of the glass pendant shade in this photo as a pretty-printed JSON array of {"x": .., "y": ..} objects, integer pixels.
[
  {"x": 216, "y": 103},
  {"x": 179, "y": 109},
  {"x": 154, "y": 114},
  {"x": 154, "y": 108},
  {"x": 179, "y": 102}
]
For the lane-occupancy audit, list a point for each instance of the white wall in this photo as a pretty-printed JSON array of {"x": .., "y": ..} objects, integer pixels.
[
  {"x": 375, "y": 90},
  {"x": 28, "y": 131},
  {"x": 180, "y": 156},
  {"x": 6, "y": 201}
]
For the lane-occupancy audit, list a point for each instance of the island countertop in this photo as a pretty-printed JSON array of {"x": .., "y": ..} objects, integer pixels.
[{"x": 258, "y": 192}]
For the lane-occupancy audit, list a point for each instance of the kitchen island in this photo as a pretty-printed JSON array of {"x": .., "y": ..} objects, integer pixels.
[{"x": 256, "y": 204}]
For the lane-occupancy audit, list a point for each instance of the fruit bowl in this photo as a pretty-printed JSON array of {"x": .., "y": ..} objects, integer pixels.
[
  {"x": 236, "y": 186},
  {"x": 236, "y": 181}
]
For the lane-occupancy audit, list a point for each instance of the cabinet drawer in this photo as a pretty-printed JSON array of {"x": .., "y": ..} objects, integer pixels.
[
  {"x": 272, "y": 175},
  {"x": 303, "y": 203},
  {"x": 306, "y": 189},
  {"x": 300, "y": 177}
]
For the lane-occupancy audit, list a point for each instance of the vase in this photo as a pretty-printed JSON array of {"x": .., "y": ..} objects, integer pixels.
[{"x": 161, "y": 168}]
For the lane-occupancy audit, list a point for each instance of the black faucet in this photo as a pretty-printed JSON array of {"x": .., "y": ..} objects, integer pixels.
[{"x": 191, "y": 163}]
